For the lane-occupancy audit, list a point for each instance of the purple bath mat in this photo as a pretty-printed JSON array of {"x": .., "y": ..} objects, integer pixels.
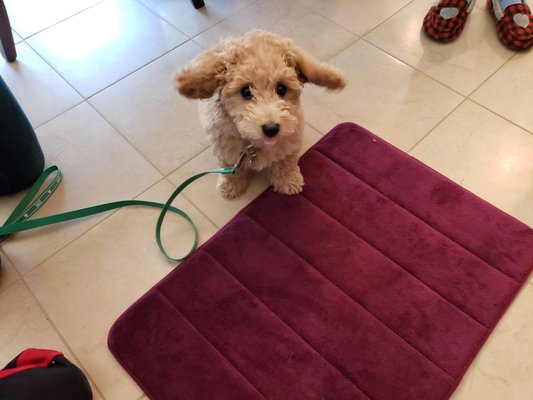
[{"x": 381, "y": 281}]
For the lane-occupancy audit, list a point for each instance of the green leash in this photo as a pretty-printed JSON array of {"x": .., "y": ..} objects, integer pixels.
[{"x": 19, "y": 220}]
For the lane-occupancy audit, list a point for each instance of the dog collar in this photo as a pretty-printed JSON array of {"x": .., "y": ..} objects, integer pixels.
[{"x": 250, "y": 151}]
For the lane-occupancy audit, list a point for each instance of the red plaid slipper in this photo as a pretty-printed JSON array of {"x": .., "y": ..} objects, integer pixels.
[
  {"x": 446, "y": 19},
  {"x": 514, "y": 23}
]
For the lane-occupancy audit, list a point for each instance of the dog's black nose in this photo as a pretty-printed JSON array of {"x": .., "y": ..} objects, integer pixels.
[{"x": 270, "y": 130}]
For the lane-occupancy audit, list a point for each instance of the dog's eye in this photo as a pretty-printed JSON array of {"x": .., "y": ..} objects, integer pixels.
[
  {"x": 281, "y": 90},
  {"x": 246, "y": 92}
]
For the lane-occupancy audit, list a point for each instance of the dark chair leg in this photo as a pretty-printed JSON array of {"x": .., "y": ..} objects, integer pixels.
[
  {"x": 6, "y": 36},
  {"x": 198, "y": 3}
]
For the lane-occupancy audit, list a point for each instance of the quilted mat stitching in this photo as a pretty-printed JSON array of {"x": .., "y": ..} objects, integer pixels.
[
  {"x": 457, "y": 307},
  {"x": 420, "y": 279},
  {"x": 354, "y": 300},
  {"x": 209, "y": 343},
  {"x": 283, "y": 321},
  {"x": 416, "y": 216}
]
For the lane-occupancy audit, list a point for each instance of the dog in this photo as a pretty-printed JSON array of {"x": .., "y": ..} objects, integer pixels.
[{"x": 251, "y": 87}]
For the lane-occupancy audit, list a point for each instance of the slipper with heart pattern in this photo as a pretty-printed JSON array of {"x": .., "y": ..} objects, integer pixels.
[
  {"x": 446, "y": 19},
  {"x": 514, "y": 22}
]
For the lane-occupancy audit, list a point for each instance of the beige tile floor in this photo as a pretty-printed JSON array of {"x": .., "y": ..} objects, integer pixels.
[{"x": 95, "y": 80}]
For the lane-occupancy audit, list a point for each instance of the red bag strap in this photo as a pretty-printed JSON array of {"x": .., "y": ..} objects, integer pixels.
[{"x": 31, "y": 358}]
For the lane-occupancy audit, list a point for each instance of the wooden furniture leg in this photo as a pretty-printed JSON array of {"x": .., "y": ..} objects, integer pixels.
[
  {"x": 6, "y": 36},
  {"x": 198, "y": 3}
]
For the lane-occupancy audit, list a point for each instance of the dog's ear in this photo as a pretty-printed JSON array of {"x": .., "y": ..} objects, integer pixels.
[
  {"x": 202, "y": 76},
  {"x": 311, "y": 70}
]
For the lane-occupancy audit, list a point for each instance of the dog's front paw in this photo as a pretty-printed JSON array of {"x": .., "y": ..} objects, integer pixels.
[
  {"x": 231, "y": 186},
  {"x": 291, "y": 184}
]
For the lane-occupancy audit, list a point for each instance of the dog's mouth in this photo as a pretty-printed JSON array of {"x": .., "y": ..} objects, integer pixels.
[{"x": 270, "y": 141}]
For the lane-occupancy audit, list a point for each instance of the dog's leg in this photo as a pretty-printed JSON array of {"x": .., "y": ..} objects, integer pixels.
[
  {"x": 285, "y": 176},
  {"x": 232, "y": 186}
]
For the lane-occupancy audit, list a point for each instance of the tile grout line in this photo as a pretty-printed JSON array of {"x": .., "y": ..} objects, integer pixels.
[
  {"x": 469, "y": 98},
  {"x": 415, "y": 69},
  {"x": 202, "y": 213},
  {"x": 223, "y": 20},
  {"x": 141, "y": 3},
  {"x": 60, "y": 76},
  {"x": 136, "y": 69},
  {"x": 87, "y": 97},
  {"x": 83, "y": 96},
  {"x": 188, "y": 160},
  {"x": 202, "y": 31},
  {"x": 464, "y": 98},
  {"x": 489, "y": 109},
  {"x": 502, "y": 117},
  {"x": 357, "y": 37},
  {"x": 491, "y": 75},
  {"x": 125, "y": 138},
  {"x": 389, "y": 17},
  {"x": 163, "y": 174},
  {"x": 60, "y": 21},
  {"x": 60, "y": 114},
  {"x": 436, "y": 126},
  {"x": 3, "y": 255},
  {"x": 360, "y": 36},
  {"x": 57, "y": 331}
]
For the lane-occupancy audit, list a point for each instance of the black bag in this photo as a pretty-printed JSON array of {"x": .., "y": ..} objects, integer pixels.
[
  {"x": 21, "y": 157},
  {"x": 37, "y": 374}
]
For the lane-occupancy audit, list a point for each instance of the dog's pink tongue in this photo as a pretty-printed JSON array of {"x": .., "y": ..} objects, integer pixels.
[{"x": 270, "y": 142}]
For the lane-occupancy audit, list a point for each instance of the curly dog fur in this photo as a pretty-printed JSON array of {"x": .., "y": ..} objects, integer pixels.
[{"x": 250, "y": 87}]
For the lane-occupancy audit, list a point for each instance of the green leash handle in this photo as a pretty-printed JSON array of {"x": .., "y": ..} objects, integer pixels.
[{"x": 19, "y": 221}]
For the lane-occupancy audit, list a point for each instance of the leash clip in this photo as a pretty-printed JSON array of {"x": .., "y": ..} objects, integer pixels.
[{"x": 250, "y": 152}]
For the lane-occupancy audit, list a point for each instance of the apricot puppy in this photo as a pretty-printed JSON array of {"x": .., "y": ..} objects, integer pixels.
[{"x": 250, "y": 88}]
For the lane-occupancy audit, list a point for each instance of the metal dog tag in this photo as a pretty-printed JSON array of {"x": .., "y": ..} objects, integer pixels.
[{"x": 250, "y": 152}]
